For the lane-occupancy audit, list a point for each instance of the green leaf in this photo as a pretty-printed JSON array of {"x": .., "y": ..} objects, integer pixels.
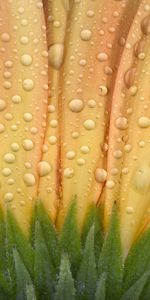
[
  {"x": 50, "y": 235},
  {"x": 94, "y": 217},
  {"x": 110, "y": 261},
  {"x": 70, "y": 238},
  {"x": 138, "y": 260},
  {"x": 65, "y": 289},
  {"x": 22, "y": 244},
  {"x": 87, "y": 275},
  {"x": 101, "y": 288},
  {"x": 44, "y": 272},
  {"x": 30, "y": 293},
  {"x": 134, "y": 292},
  {"x": 2, "y": 243},
  {"x": 23, "y": 278}
]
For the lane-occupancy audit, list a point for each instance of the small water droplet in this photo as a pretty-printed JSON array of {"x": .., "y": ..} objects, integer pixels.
[{"x": 76, "y": 105}]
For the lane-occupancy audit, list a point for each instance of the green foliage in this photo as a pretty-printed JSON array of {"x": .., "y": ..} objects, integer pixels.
[
  {"x": 101, "y": 288},
  {"x": 94, "y": 216},
  {"x": 69, "y": 265},
  {"x": 136, "y": 289},
  {"x": 69, "y": 241},
  {"x": 138, "y": 260},
  {"x": 110, "y": 260},
  {"x": 87, "y": 274},
  {"x": 65, "y": 289}
]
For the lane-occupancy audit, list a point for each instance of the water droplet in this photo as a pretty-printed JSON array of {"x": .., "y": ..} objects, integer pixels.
[
  {"x": 100, "y": 175},
  {"x": 55, "y": 56},
  {"x": 26, "y": 59},
  {"x": 28, "y": 84},
  {"x": 125, "y": 171},
  {"x": 70, "y": 154},
  {"x": 16, "y": 99},
  {"x": 121, "y": 123},
  {"x": 133, "y": 90},
  {"x": 110, "y": 184},
  {"x": 84, "y": 149},
  {"x": 117, "y": 154},
  {"x": 2, "y": 104},
  {"x": 145, "y": 25},
  {"x": 29, "y": 179},
  {"x": 8, "y": 197},
  {"x": 27, "y": 117},
  {"x": 24, "y": 40},
  {"x": 127, "y": 148},
  {"x": 85, "y": 34},
  {"x": 129, "y": 210},
  {"x": 129, "y": 77},
  {"x": 44, "y": 168},
  {"x": 52, "y": 139},
  {"x": 81, "y": 161},
  {"x": 89, "y": 124},
  {"x": 144, "y": 122},
  {"x": 75, "y": 134},
  {"x": 6, "y": 172},
  {"x": 15, "y": 147},
  {"x": 91, "y": 103},
  {"x": 2, "y": 128},
  {"x": 76, "y": 105},
  {"x": 9, "y": 158},
  {"x": 90, "y": 13},
  {"x": 108, "y": 70},
  {"x": 28, "y": 144},
  {"x": 51, "y": 108},
  {"x": 69, "y": 172},
  {"x": 103, "y": 90},
  {"x": 102, "y": 56},
  {"x": 5, "y": 37},
  {"x": 141, "y": 178}
]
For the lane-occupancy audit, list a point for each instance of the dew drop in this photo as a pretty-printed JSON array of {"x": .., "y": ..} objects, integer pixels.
[
  {"x": 8, "y": 197},
  {"x": 27, "y": 117},
  {"x": 70, "y": 154},
  {"x": 110, "y": 184},
  {"x": 144, "y": 122},
  {"x": 102, "y": 56},
  {"x": 85, "y": 34},
  {"x": 55, "y": 56},
  {"x": 29, "y": 179},
  {"x": 145, "y": 25},
  {"x": 26, "y": 59},
  {"x": 15, "y": 147},
  {"x": 44, "y": 168},
  {"x": 80, "y": 161},
  {"x": 2, "y": 104},
  {"x": 6, "y": 172},
  {"x": 121, "y": 123},
  {"x": 91, "y": 103},
  {"x": 9, "y": 158},
  {"x": 69, "y": 172},
  {"x": 16, "y": 99},
  {"x": 129, "y": 210},
  {"x": 52, "y": 139},
  {"x": 89, "y": 124},
  {"x": 84, "y": 149},
  {"x": 103, "y": 90},
  {"x": 28, "y": 84},
  {"x": 129, "y": 77},
  {"x": 100, "y": 175},
  {"x": 5, "y": 37},
  {"x": 76, "y": 105},
  {"x": 28, "y": 144},
  {"x": 117, "y": 154}
]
